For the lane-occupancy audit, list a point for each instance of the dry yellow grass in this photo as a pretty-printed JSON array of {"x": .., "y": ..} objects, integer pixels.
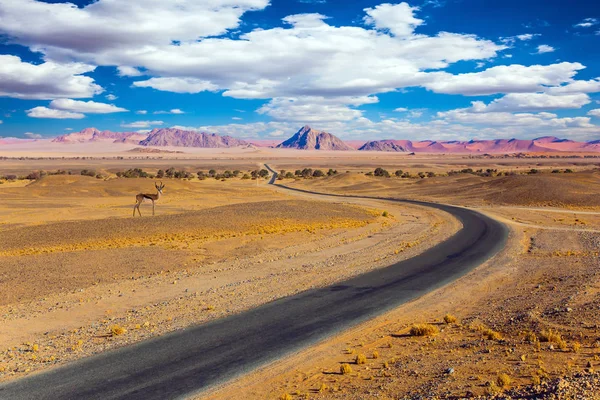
[
  {"x": 117, "y": 330},
  {"x": 550, "y": 336},
  {"x": 345, "y": 369},
  {"x": 360, "y": 359},
  {"x": 424, "y": 330},
  {"x": 503, "y": 380},
  {"x": 491, "y": 334},
  {"x": 449, "y": 319}
]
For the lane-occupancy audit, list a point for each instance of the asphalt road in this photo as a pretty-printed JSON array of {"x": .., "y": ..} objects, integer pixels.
[{"x": 190, "y": 361}]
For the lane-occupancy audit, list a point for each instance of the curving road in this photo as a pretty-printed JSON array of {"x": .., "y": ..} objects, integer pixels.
[{"x": 190, "y": 361}]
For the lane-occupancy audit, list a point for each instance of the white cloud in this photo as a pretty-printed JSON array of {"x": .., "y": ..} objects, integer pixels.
[
  {"x": 236, "y": 118},
  {"x": 530, "y": 102},
  {"x": 128, "y": 71},
  {"x": 141, "y": 112},
  {"x": 32, "y": 135},
  {"x": 142, "y": 124},
  {"x": 591, "y": 86},
  {"x": 504, "y": 79},
  {"x": 111, "y": 97},
  {"x": 62, "y": 30},
  {"x": 544, "y": 48},
  {"x": 44, "y": 112},
  {"x": 314, "y": 109},
  {"x": 415, "y": 114},
  {"x": 527, "y": 36},
  {"x": 44, "y": 81},
  {"x": 399, "y": 19},
  {"x": 178, "y": 85},
  {"x": 594, "y": 113},
  {"x": 586, "y": 23},
  {"x": 87, "y": 107},
  {"x": 1, "y": 122},
  {"x": 173, "y": 111},
  {"x": 401, "y": 109}
]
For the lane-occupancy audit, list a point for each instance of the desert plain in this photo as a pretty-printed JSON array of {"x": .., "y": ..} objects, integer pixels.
[{"x": 79, "y": 275}]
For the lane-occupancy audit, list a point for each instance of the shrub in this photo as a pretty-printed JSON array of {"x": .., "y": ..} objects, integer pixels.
[
  {"x": 246, "y": 176},
  {"x": 345, "y": 369},
  {"x": 285, "y": 396},
  {"x": 492, "y": 388},
  {"x": 160, "y": 174},
  {"x": 117, "y": 330},
  {"x": 576, "y": 347},
  {"x": 381, "y": 172},
  {"x": 503, "y": 380},
  {"x": 375, "y": 355},
  {"x": 88, "y": 172},
  {"x": 531, "y": 337},
  {"x": 550, "y": 336},
  {"x": 491, "y": 334},
  {"x": 332, "y": 172},
  {"x": 423, "y": 330},
  {"x": 399, "y": 173},
  {"x": 385, "y": 214},
  {"x": 318, "y": 173},
  {"x": 323, "y": 388},
  {"x": 449, "y": 319},
  {"x": 289, "y": 175},
  {"x": 360, "y": 359},
  {"x": 535, "y": 380}
]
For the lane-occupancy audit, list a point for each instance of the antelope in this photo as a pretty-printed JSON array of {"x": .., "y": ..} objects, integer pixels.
[{"x": 139, "y": 199}]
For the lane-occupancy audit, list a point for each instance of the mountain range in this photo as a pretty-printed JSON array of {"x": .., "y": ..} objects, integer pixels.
[{"x": 310, "y": 139}]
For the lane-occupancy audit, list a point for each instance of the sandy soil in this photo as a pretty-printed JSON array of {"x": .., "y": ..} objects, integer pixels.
[
  {"x": 546, "y": 280},
  {"x": 65, "y": 283}
]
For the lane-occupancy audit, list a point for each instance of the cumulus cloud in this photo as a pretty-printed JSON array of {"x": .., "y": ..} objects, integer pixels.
[
  {"x": 178, "y": 85},
  {"x": 504, "y": 79},
  {"x": 45, "y": 112},
  {"x": 401, "y": 109},
  {"x": 594, "y": 113},
  {"x": 398, "y": 19},
  {"x": 173, "y": 111},
  {"x": 141, "y": 112},
  {"x": 62, "y": 30},
  {"x": 142, "y": 124},
  {"x": 530, "y": 102},
  {"x": 45, "y": 81},
  {"x": 32, "y": 135},
  {"x": 314, "y": 109},
  {"x": 87, "y": 107},
  {"x": 128, "y": 71},
  {"x": 586, "y": 23},
  {"x": 544, "y": 48},
  {"x": 111, "y": 97}
]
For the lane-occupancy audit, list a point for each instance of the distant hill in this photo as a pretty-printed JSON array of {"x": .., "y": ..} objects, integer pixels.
[
  {"x": 382, "y": 145},
  {"x": 95, "y": 135},
  {"x": 543, "y": 144},
  {"x": 309, "y": 139},
  {"x": 181, "y": 138}
]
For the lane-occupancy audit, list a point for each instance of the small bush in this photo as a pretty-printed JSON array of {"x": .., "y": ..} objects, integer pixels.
[
  {"x": 360, "y": 359},
  {"x": 345, "y": 369},
  {"x": 423, "y": 330},
  {"x": 531, "y": 337},
  {"x": 117, "y": 330},
  {"x": 503, "y": 380},
  {"x": 385, "y": 214},
  {"x": 285, "y": 396},
  {"x": 375, "y": 355},
  {"x": 562, "y": 344},
  {"x": 323, "y": 388},
  {"x": 449, "y": 319},
  {"x": 492, "y": 388},
  {"x": 491, "y": 334},
  {"x": 536, "y": 380},
  {"x": 550, "y": 336},
  {"x": 576, "y": 347}
]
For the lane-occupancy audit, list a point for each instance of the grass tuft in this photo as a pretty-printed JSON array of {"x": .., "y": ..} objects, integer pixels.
[
  {"x": 360, "y": 359},
  {"x": 423, "y": 330},
  {"x": 491, "y": 334},
  {"x": 503, "y": 380},
  {"x": 117, "y": 330},
  {"x": 345, "y": 369},
  {"x": 449, "y": 319},
  {"x": 550, "y": 336}
]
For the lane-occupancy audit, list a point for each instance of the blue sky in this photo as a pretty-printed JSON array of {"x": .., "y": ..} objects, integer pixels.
[{"x": 453, "y": 69}]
